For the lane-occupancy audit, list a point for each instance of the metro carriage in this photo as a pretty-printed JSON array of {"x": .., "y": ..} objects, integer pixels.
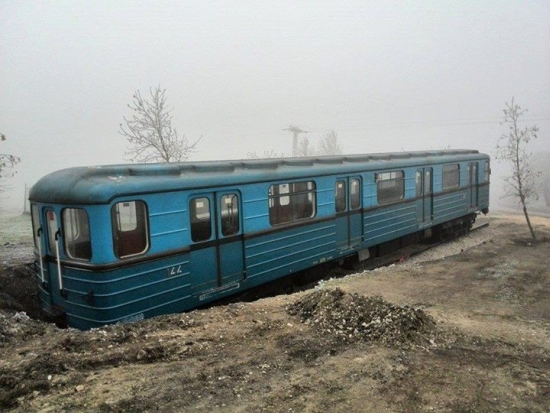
[{"x": 122, "y": 243}]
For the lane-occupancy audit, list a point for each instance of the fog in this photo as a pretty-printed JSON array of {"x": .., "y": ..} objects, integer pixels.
[{"x": 386, "y": 76}]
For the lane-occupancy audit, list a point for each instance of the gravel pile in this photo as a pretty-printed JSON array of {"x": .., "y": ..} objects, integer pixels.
[
  {"x": 351, "y": 318},
  {"x": 18, "y": 326}
]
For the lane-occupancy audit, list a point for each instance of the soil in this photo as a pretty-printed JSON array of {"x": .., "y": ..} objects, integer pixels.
[{"x": 467, "y": 330}]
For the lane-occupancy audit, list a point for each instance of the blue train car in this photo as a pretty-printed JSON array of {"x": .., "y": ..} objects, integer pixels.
[{"x": 126, "y": 242}]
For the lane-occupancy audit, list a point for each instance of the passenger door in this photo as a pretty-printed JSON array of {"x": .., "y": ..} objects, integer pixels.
[
  {"x": 216, "y": 256},
  {"x": 424, "y": 196},
  {"x": 473, "y": 181},
  {"x": 349, "y": 213},
  {"x": 230, "y": 238}
]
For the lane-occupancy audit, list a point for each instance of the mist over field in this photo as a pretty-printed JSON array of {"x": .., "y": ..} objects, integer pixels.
[{"x": 384, "y": 76}]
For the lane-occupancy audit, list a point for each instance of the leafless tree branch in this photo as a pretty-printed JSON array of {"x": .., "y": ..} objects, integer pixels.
[
  {"x": 329, "y": 144},
  {"x": 7, "y": 163},
  {"x": 150, "y": 134}
]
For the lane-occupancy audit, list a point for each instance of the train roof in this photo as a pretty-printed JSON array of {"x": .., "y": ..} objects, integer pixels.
[{"x": 100, "y": 184}]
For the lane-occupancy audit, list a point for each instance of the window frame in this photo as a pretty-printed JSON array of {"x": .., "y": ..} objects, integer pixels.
[
  {"x": 287, "y": 206},
  {"x": 418, "y": 182},
  {"x": 340, "y": 196},
  {"x": 230, "y": 222},
  {"x": 52, "y": 230},
  {"x": 82, "y": 232},
  {"x": 354, "y": 198},
  {"x": 36, "y": 226},
  {"x": 427, "y": 181},
  {"x": 450, "y": 177},
  {"x": 197, "y": 224},
  {"x": 140, "y": 232},
  {"x": 390, "y": 184}
]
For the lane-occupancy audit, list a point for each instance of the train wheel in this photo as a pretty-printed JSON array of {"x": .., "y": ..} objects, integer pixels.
[{"x": 351, "y": 263}]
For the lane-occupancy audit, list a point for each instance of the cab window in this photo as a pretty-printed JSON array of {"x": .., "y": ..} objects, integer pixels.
[
  {"x": 76, "y": 230},
  {"x": 53, "y": 229},
  {"x": 130, "y": 228},
  {"x": 36, "y": 228}
]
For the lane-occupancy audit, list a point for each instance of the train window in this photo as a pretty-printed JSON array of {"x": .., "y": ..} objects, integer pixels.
[
  {"x": 418, "y": 180},
  {"x": 201, "y": 226},
  {"x": 130, "y": 232},
  {"x": 428, "y": 181},
  {"x": 390, "y": 186},
  {"x": 486, "y": 171},
  {"x": 340, "y": 196},
  {"x": 51, "y": 218},
  {"x": 355, "y": 194},
  {"x": 291, "y": 202},
  {"x": 229, "y": 209},
  {"x": 284, "y": 189},
  {"x": 76, "y": 231},
  {"x": 35, "y": 225},
  {"x": 423, "y": 182},
  {"x": 451, "y": 176}
]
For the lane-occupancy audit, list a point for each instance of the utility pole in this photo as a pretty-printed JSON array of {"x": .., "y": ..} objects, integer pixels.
[{"x": 295, "y": 132}]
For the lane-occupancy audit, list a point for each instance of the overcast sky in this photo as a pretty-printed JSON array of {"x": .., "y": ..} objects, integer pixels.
[{"x": 386, "y": 76}]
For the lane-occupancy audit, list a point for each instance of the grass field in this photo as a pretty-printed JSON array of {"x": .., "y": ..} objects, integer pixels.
[{"x": 15, "y": 229}]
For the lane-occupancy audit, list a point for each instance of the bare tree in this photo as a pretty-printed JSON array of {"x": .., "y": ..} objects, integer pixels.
[
  {"x": 304, "y": 148},
  {"x": 512, "y": 148},
  {"x": 150, "y": 134},
  {"x": 540, "y": 162},
  {"x": 7, "y": 163},
  {"x": 328, "y": 145}
]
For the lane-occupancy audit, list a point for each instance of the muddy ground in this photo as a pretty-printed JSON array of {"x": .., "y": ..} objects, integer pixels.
[{"x": 466, "y": 333}]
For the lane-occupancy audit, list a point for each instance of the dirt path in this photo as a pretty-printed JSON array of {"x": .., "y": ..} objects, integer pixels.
[{"x": 469, "y": 332}]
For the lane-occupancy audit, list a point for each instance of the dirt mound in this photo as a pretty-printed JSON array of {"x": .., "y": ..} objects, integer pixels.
[
  {"x": 352, "y": 317},
  {"x": 16, "y": 327},
  {"x": 19, "y": 292}
]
